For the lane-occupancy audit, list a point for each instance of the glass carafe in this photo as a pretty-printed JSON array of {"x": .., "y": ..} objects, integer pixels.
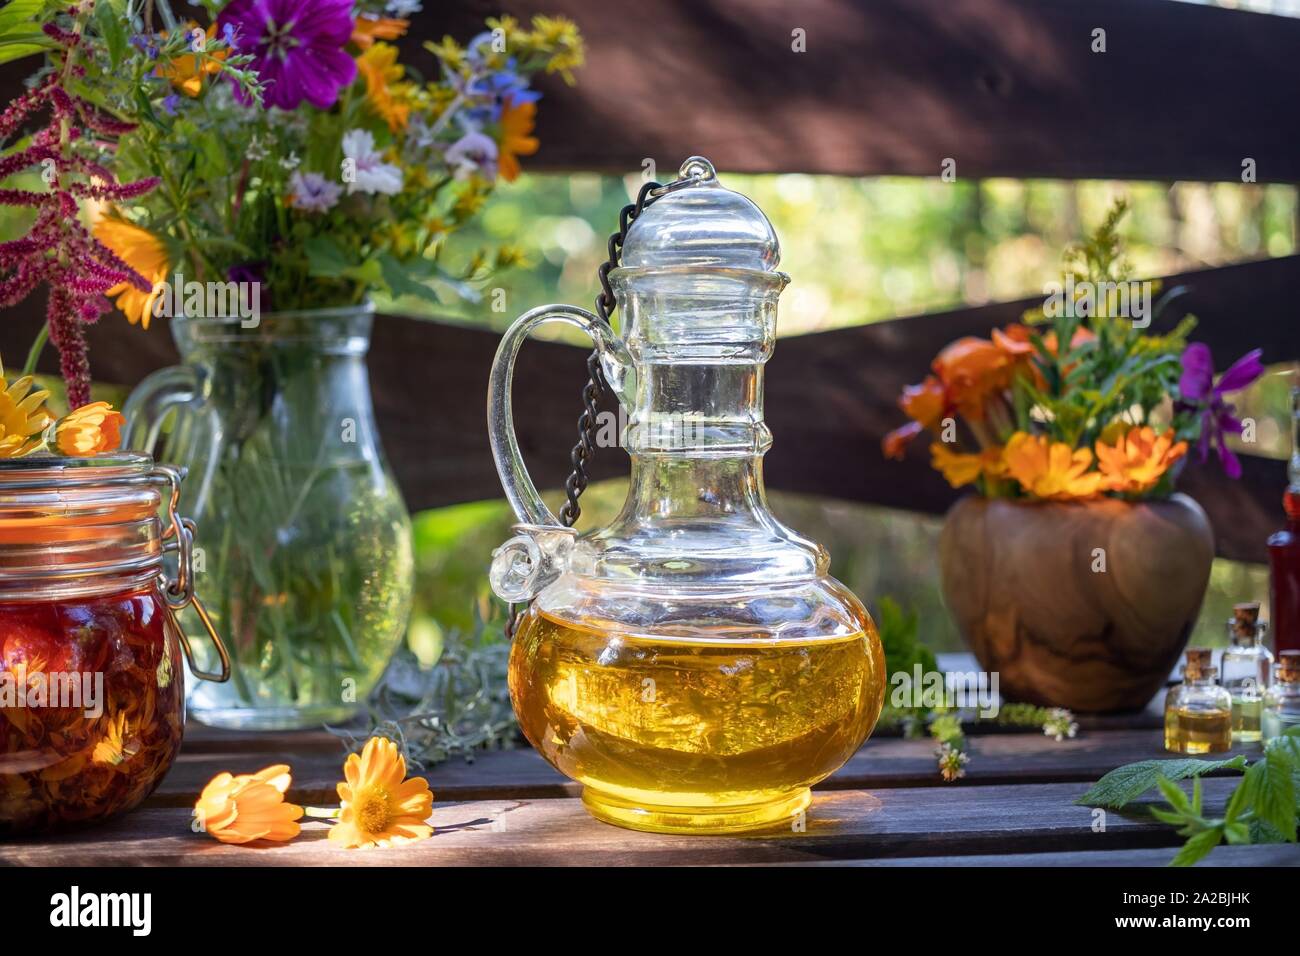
[
  {"x": 693, "y": 664},
  {"x": 307, "y": 559}
]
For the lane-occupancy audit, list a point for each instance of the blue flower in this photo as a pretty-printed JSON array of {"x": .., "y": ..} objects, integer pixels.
[{"x": 170, "y": 103}]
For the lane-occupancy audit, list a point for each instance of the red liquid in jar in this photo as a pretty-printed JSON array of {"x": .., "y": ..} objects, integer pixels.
[
  {"x": 1284, "y": 578},
  {"x": 75, "y": 760}
]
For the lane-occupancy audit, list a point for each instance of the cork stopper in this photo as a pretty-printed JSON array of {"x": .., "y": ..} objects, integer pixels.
[
  {"x": 1288, "y": 667},
  {"x": 1200, "y": 663},
  {"x": 1244, "y": 626}
]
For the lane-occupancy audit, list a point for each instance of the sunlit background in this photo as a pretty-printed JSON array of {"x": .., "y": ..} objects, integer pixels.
[{"x": 859, "y": 251}]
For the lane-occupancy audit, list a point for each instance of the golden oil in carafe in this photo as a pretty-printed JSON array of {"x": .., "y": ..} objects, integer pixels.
[
  {"x": 693, "y": 731},
  {"x": 1198, "y": 731}
]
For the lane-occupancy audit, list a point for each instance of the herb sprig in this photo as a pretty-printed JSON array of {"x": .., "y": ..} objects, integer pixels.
[{"x": 1261, "y": 809}]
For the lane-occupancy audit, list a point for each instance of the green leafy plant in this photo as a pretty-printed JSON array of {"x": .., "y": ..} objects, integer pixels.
[
  {"x": 1261, "y": 809},
  {"x": 458, "y": 707},
  {"x": 905, "y": 653}
]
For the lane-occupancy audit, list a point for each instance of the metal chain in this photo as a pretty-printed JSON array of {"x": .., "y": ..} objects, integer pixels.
[{"x": 582, "y": 452}]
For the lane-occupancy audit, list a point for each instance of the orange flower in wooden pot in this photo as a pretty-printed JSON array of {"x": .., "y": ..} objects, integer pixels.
[{"x": 1076, "y": 572}]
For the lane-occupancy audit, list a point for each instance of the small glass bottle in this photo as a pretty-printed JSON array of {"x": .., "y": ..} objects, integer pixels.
[
  {"x": 1282, "y": 700},
  {"x": 1198, "y": 712},
  {"x": 1246, "y": 671}
]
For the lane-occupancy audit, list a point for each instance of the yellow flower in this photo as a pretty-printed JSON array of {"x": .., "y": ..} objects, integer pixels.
[
  {"x": 23, "y": 416},
  {"x": 1138, "y": 459},
  {"x": 118, "y": 744},
  {"x": 448, "y": 51},
  {"x": 516, "y": 138},
  {"x": 380, "y": 806},
  {"x": 249, "y": 807},
  {"x": 368, "y": 28},
  {"x": 89, "y": 430},
  {"x": 560, "y": 34},
  {"x": 1051, "y": 470},
  {"x": 143, "y": 252},
  {"x": 387, "y": 95},
  {"x": 963, "y": 469}
]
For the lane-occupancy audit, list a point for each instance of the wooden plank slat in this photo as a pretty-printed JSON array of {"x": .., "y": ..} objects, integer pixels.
[
  {"x": 847, "y": 824},
  {"x": 1003, "y": 87},
  {"x": 1272, "y": 854},
  {"x": 883, "y": 762}
]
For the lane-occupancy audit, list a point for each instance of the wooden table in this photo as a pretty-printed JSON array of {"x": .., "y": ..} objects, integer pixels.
[{"x": 887, "y": 806}]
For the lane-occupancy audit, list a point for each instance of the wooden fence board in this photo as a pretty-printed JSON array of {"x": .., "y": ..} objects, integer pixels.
[
  {"x": 830, "y": 399},
  {"x": 1003, "y": 87}
]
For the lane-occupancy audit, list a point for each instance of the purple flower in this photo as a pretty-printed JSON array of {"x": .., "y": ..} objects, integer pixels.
[
  {"x": 297, "y": 48},
  {"x": 170, "y": 103},
  {"x": 254, "y": 275},
  {"x": 1201, "y": 396},
  {"x": 473, "y": 153},
  {"x": 312, "y": 192}
]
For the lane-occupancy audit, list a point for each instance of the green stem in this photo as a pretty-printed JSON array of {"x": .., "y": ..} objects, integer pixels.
[
  {"x": 322, "y": 813},
  {"x": 38, "y": 346}
]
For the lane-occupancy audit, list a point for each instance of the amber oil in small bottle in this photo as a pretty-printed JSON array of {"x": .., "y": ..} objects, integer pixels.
[{"x": 1198, "y": 712}]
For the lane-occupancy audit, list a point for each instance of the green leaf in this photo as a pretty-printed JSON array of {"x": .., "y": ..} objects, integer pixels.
[
  {"x": 1125, "y": 784},
  {"x": 399, "y": 281},
  {"x": 111, "y": 23},
  {"x": 1175, "y": 796},
  {"x": 324, "y": 257},
  {"x": 1275, "y": 792},
  {"x": 20, "y": 45},
  {"x": 1197, "y": 847},
  {"x": 17, "y": 17}
]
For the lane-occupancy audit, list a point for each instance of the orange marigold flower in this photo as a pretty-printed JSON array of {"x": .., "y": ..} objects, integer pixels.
[
  {"x": 380, "y": 807},
  {"x": 368, "y": 29},
  {"x": 896, "y": 442},
  {"x": 89, "y": 430},
  {"x": 516, "y": 138},
  {"x": 249, "y": 807},
  {"x": 962, "y": 468},
  {"x": 1050, "y": 470},
  {"x": 924, "y": 403},
  {"x": 386, "y": 94},
  {"x": 971, "y": 369},
  {"x": 1138, "y": 459}
]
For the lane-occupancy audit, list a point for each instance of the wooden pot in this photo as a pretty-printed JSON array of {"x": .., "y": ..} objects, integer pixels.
[{"x": 1026, "y": 585}]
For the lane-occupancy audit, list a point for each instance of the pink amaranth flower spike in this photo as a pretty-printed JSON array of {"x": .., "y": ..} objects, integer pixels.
[
  {"x": 58, "y": 250},
  {"x": 297, "y": 48}
]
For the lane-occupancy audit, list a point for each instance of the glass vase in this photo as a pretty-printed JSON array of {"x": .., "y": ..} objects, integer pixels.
[{"x": 307, "y": 559}]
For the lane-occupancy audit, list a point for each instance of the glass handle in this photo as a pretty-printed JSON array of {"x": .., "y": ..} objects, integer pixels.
[
  {"x": 615, "y": 363},
  {"x": 149, "y": 402},
  {"x": 196, "y": 437}
]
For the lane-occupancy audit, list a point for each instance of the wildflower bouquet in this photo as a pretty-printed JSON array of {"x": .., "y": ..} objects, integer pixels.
[
  {"x": 258, "y": 174},
  {"x": 280, "y": 144},
  {"x": 1077, "y": 401}
]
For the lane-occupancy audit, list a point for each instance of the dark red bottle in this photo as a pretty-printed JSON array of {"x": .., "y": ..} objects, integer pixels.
[{"x": 1284, "y": 552}]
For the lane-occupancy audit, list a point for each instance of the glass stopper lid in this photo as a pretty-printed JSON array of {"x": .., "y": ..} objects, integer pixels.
[{"x": 696, "y": 222}]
